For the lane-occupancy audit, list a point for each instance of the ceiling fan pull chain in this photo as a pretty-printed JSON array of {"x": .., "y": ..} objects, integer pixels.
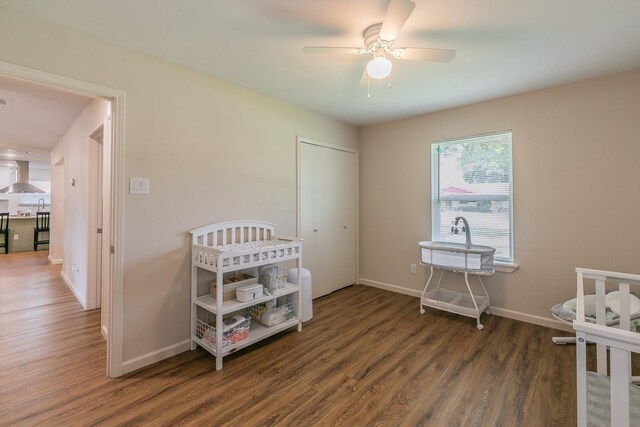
[
  {"x": 389, "y": 81},
  {"x": 368, "y": 86}
]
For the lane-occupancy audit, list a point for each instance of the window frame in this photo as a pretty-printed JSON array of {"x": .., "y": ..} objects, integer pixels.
[{"x": 435, "y": 190}]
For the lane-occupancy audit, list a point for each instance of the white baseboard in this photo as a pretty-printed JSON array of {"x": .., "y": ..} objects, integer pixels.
[
  {"x": 54, "y": 261},
  {"x": 389, "y": 287},
  {"x": 105, "y": 333},
  {"x": 502, "y": 312},
  {"x": 155, "y": 356},
  {"x": 531, "y": 318},
  {"x": 73, "y": 289}
]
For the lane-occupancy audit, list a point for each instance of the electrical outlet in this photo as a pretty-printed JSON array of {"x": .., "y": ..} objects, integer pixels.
[
  {"x": 75, "y": 267},
  {"x": 16, "y": 237},
  {"x": 412, "y": 268}
]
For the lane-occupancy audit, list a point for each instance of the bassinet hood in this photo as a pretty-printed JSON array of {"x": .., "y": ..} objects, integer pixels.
[{"x": 22, "y": 184}]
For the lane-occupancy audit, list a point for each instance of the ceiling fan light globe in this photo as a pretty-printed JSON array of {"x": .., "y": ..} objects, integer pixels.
[{"x": 379, "y": 67}]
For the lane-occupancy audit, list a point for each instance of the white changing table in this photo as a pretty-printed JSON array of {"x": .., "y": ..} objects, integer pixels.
[
  {"x": 228, "y": 247},
  {"x": 457, "y": 258}
]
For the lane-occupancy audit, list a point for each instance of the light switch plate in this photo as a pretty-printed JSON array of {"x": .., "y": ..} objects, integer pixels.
[{"x": 138, "y": 185}]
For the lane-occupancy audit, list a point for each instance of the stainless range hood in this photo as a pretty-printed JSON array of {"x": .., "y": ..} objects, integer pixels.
[{"x": 22, "y": 184}]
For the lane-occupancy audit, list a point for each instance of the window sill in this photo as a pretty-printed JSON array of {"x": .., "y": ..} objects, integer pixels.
[{"x": 505, "y": 267}]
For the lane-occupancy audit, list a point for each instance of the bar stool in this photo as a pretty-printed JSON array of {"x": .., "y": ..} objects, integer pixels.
[
  {"x": 4, "y": 231},
  {"x": 42, "y": 226}
]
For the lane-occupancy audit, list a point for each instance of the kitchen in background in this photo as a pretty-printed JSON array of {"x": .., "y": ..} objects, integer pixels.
[{"x": 23, "y": 206}]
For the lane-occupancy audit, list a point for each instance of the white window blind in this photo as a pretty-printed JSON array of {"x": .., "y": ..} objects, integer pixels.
[{"x": 472, "y": 177}]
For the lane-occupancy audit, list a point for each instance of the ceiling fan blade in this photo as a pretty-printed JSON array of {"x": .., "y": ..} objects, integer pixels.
[
  {"x": 397, "y": 15},
  {"x": 364, "y": 79},
  {"x": 339, "y": 50},
  {"x": 425, "y": 54}
]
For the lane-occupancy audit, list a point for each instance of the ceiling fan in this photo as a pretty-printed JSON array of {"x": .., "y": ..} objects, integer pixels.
[{"x": 379, "y": 39}]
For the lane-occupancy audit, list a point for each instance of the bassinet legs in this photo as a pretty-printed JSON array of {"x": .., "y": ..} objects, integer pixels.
[{"x": 470, "y": 304}]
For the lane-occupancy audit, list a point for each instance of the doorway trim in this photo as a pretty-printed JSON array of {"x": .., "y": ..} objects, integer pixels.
[
  {"x": 118, "y": 190},
  {"x": 302, "y": 140}
]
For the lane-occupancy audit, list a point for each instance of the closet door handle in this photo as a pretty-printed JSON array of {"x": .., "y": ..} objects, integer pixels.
[{"x": 344, "y": 226}]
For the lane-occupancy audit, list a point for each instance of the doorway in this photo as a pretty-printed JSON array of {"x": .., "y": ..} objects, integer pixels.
[{"x": 111, "y": 260}]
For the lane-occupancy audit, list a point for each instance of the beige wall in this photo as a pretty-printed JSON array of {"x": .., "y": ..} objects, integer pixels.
[
  {"x": 212, "y": 152},
  {"x": 56, "y": 247},
  {"x": 576, "y": 150}
]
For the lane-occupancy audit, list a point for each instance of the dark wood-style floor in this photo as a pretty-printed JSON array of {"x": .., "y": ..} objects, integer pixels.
[{"x": 367, "y": 358}]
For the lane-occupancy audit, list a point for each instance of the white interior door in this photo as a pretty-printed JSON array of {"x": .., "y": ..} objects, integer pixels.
[
  {"x": 314, "y": 258},
  {"x": 307, "y": 220},
  {"x": 94, "y": 218},
  {"x": 344, "y": 196},
  {"x": 99, "y": 221},
  {"x": 106, "y": 225},
  {"x": 328, "y": 198},
  {"x": 99, "y": 201}
]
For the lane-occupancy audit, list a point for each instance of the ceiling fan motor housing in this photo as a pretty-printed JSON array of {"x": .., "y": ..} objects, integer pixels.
[
  {"x": 375, "y": 45},
  {"x": 371, "y": 34}
]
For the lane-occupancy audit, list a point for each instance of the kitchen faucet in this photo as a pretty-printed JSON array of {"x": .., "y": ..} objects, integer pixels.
[{"x": 43, "y": 204}]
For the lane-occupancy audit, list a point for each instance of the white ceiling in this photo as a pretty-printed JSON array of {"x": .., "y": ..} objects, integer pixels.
[
  {"x": 34, "y": 120},
  {"x": 503, "y": 47}
]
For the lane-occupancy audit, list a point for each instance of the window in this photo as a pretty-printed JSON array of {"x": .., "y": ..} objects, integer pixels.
[{"x": 472, "y": 177}]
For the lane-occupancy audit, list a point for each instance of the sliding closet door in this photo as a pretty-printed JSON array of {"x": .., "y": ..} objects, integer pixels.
[
  {"x": 312, "y": 207},
  {"x": 342, "y": 169},
  {"x": 328, "y": 200}
]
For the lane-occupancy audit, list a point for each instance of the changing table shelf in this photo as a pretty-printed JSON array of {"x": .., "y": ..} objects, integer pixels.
[
  {"x": 209, "y": 303},
  {"x": 257, "y": 332}
]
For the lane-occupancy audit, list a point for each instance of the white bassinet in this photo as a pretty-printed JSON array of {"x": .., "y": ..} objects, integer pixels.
[{"x": 607, "y": 397}]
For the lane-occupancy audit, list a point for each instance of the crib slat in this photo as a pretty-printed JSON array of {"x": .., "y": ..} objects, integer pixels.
[
  {"x": 580, "y": 301},
  {"x": 625, "y": 316},
  {"x": 581, "y": 356},
  {"x": 600, "y": 303},
  {"x": 600, "y": 320},
  {"x": 619, "y": 387},
  {"x": 581, "y": 362}
]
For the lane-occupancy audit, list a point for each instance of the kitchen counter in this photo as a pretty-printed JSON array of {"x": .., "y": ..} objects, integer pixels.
[
  {"x": 21, "y": 226},
  {"x": 33, "y": 215}
]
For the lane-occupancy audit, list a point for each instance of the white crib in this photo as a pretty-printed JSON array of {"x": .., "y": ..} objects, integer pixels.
[{"x": 607, "y": 397}]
